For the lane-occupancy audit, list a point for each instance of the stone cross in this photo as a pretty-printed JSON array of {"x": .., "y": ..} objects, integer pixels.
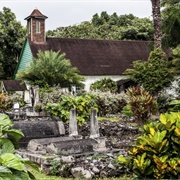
[
  {"x": 73, "y": 123},
  {"x": 94, "y": 128}
]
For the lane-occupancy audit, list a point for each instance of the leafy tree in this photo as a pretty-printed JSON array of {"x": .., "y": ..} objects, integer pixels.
[
  {"x": 104, "y": 85},
  {"x": 171, "y": 22},
  {"x": 51, "y": 68},
  {"x": 111, "y": 27},
  {"x": 154, "y": 74},
  {"x": 12, "y": 37}
]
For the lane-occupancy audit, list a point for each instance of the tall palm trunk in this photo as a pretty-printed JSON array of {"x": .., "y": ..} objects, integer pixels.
[{"x": 156, "y": 13}]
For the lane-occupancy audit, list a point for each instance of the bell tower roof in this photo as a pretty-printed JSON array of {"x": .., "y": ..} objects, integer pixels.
[{"x": 36, "y": 14}]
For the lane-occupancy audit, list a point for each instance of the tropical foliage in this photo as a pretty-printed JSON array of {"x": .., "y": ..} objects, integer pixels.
[
  {"x": 141, "y": 105},
  {"x": 156, "y": 153},
  {"x": 176, "y": 59},
  {"x": 174, "y": 106},
  {"x": 106, "y": 104},
  {"x": 50, "y": 69},
  {"x": 104, "y": 85},
  {"x": 82, "y": 104},
  {"x": 109, "y": 103},
  {"x": 12, "y": 36},
  {"x": 12, "y": 166},
  {"x": 51, "y": 94},
  {"x": 171, "y": 22},
  {"x": 7, "y": 101},
  {"x": 153, "y": 75}
]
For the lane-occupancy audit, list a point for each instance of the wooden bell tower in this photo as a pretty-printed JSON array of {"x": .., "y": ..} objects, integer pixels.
[{"x": 36, "y": 27}]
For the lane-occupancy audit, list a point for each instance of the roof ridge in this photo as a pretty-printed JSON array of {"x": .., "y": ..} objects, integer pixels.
[{"x": 85, "y": 39}]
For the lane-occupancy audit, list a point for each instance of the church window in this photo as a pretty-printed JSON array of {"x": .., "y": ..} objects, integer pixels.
[
  {"x": 29, "y": 27},
  {"x": 38, "y": 27}
]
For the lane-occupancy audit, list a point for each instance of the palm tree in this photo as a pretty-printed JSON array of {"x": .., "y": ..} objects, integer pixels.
[
  {"x": 156, "y": 13},
  {"x": 51, "y": 68}
]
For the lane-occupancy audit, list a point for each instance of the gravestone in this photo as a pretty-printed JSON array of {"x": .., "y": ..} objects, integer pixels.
[
  {"x": 72, "y": 147},
  {"x": 37, "y": 129},
  {"x": 41, "y": 144},
  {"x": 73, "y": 130},
  {"x": 94, "y": 128}
]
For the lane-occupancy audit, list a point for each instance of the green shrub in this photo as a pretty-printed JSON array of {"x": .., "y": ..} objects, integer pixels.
[
  {"x": 155, "y": 74},
  {"x": 109, "y": 103},
  {"x": 156, "y": 153},
  {"x": 3, "y": 105},
  {"x": 163, "y": 101},
  {"x": 141, "y": 103},
  {"x": 50, "y": 95},
  {"x": 104, "y": 85},
  {"x": 82, "y": 104},
  {"x": 174, "y": 105},
  {"x": 12, "y": 166},
  {"x": 7, "y": 101}
]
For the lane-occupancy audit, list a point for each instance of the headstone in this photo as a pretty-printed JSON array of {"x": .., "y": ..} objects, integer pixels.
[
  {"x": 16, "y": 111},
  {"x": 73, "y": 130},
  {"x": 36, "y": 95},
  {"x": 61, "y": 128},
  {"x": 94, "y": 128},
  {"x": 16, "y": 107}
]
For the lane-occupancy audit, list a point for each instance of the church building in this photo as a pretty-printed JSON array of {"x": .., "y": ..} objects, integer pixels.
[{"x": 95, "y": 59}]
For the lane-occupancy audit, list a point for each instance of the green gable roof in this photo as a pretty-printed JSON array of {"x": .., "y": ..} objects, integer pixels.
[{"x": 25, "y": 58}]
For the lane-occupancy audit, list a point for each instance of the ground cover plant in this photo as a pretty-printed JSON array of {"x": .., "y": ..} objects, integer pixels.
[{"x": 156, "y": 153}]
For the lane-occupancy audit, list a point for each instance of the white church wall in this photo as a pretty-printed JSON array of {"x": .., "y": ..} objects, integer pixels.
[{"x": 91, "y": 79}]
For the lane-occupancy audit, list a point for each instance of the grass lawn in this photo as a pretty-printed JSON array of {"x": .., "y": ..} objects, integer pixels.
[
  {"x": 43, "y": 176},
  {"x": 114, "y": 119}
]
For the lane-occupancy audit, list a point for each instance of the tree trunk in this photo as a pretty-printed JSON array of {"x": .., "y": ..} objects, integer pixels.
[{"x": 156, "y": 13}]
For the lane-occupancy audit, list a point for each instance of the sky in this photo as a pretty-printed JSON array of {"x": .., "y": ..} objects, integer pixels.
[{"x": 70, "y": 12}]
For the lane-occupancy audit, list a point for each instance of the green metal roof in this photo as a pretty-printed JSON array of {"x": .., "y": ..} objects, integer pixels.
[{"x": 25, "y": 58}]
